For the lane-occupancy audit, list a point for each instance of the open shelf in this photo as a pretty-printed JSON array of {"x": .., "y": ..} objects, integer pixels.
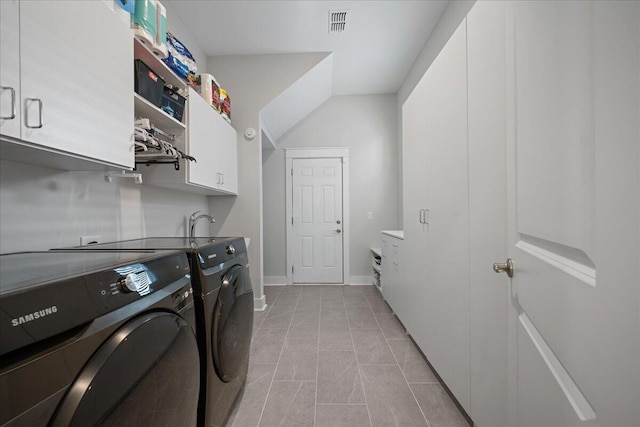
[{"x": 159, "y": 118}]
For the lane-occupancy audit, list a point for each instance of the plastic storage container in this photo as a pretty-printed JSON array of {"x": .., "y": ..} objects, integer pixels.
[
  {"x": 148, "y": 84},
  {"x": 173, "y": 103}
]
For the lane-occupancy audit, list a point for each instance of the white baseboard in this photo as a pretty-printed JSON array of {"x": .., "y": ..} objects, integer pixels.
[
  {"x": 260, "y": 304},
  {"x": 361, "y": 280},
  {"x": 275, "y": 280}
]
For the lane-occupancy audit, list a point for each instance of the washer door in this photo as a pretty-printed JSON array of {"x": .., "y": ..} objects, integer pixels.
[
  {"x": 146, "y": 373},
  {"x": 232, "y": 324}
]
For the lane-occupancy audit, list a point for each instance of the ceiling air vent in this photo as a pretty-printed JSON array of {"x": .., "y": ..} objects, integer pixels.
[{"x": 338, "y": 21}]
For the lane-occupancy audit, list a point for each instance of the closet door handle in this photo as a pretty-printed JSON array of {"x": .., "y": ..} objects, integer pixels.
[
  {"x": 26, "y": 116},
  {"x": 420, "y": 216},
  {"x": 13, "y": 103}
]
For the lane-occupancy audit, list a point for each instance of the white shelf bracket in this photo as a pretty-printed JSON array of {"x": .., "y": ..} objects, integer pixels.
[{"x": 137, "y": 177}]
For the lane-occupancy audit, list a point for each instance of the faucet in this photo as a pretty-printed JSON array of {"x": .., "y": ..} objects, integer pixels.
[{"x": 193, "y": 220}]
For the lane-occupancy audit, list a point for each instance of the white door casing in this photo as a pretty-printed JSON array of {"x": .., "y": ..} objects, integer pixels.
[
  {"x": 316, "y": 191},
  {"x": 573, "y": 96}
]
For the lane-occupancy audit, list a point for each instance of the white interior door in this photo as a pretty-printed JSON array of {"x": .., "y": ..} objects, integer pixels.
[
  {"x": 573, "y": 111},
  {"x": 317, "y": 221}
]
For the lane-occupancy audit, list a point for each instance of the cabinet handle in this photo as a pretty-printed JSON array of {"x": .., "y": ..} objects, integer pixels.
[
  {"x": 222, "y": 175},
  {"x": 13, "y": 103},
  {"x": 26, "y": 118},
  {"x": 420, "y": 216}
]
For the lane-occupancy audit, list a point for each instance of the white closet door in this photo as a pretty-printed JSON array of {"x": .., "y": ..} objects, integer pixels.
[
  {"x": 573, "y": 110},
  {"x": 487, "y": 213}
]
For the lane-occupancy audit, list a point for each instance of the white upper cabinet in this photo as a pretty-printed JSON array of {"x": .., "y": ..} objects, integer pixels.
[
  {"x": 75, "y": 81},
  {"x": 10, "y": 69},
  {"x": 212, "y": 142}
]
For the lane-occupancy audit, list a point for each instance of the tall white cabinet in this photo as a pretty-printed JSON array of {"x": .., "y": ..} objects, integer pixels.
[
  {"x": 438, "y": 244},
  {"x": 67, "y": 75},
  {"x": 450, "y": 300}
]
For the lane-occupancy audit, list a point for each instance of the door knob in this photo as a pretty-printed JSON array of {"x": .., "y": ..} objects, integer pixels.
[
  {"x": 338, "y": 222},
  {"x": 504, "y": 267},
  {"x": 338, "y": 231}
]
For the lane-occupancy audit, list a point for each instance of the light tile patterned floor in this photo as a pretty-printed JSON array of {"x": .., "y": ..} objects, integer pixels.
[{"x": 335, "y": 356}]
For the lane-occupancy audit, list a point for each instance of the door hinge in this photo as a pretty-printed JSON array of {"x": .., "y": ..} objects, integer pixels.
[
  {"x": 291, "y": 171},
  {"x": 292, "y": 269},
  {"x": 291, "y": 220}
]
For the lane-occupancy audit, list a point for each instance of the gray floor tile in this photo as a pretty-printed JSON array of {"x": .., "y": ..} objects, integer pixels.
[
  {"x": 311, "y": 290},
  {"x": 278, "y": 319},
  {"x": 308, "y": 302},
  {"x": 272, "y": 292},
  {"x": 389, "y": 398},
  {"x": 355, "y": 301},
  {"x": 291, "y": 290},
  {"x": 438, "y": 406},
  {"x": 266, "y": 345},
  {"x": 342, "y": 416},
  {"x": 258, "y": 317},
  {"x": 352, "y": 290},
  {"x": 333, "y": 316},
  {"x": 391, "y": 327},
  {"x": 378, "y": 305},
  {"x": 307, "y": 334},
  {"x": 299, "y": 359},
  {"x": 371, "y": 291},
  {"x": 361, "y": 317},
  {"x": 308, "y": 318},
  {"x": 338, "y": 378},
  {"x": 371, "y": 347},
  {"x": 411, "y": 362},
  {"x": 290, "y": 403},
  {"x": 335, "y": 337},
  {"x": 247, "y": 411}
]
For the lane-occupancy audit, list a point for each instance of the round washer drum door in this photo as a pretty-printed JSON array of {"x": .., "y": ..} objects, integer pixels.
[
  {"x": 232, "y": 325},
  {"x": 146, "y": 373}
]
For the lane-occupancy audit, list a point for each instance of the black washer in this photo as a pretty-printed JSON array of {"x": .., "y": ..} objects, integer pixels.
[
  {"x": 224, "y": 313},
  {"x": 97, "y": 339}
]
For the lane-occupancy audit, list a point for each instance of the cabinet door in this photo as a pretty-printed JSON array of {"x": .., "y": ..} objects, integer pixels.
[
  {"x": 202, "y": 126},
  {"x": 447, "y": 186},
  {"x": 414, "y": 154},
  {"x": 438, "y": 271},
  {"x": 77, "y": 79},
  {"x": 385, "y": 269},
  {"x": 226, "y": 141},
  {"x": 10, "y": 68}
]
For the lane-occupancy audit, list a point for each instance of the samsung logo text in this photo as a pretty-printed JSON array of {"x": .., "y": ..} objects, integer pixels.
[{"x": 34, "y": 316}]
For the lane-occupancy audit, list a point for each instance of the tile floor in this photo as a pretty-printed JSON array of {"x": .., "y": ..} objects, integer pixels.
[{"x": 335, "y": 356}]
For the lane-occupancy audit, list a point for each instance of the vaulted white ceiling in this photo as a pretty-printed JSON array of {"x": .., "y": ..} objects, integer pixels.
[{"x": 372, "y": 56}]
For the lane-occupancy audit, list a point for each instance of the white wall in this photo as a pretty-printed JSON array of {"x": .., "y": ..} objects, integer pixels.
[
  {"x": 252, "y": 81},
  {"x": 366, "y": 124},
  {"x": 43, "y": 208}
]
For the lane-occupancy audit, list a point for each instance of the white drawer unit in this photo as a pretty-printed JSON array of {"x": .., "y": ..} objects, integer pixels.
[{"x": 391, "y": 277}]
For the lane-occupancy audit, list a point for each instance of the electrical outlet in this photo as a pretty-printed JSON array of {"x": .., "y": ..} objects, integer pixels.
[
  {"x": 90, "y": 240},
  {"x": 369, "y": 215}
]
